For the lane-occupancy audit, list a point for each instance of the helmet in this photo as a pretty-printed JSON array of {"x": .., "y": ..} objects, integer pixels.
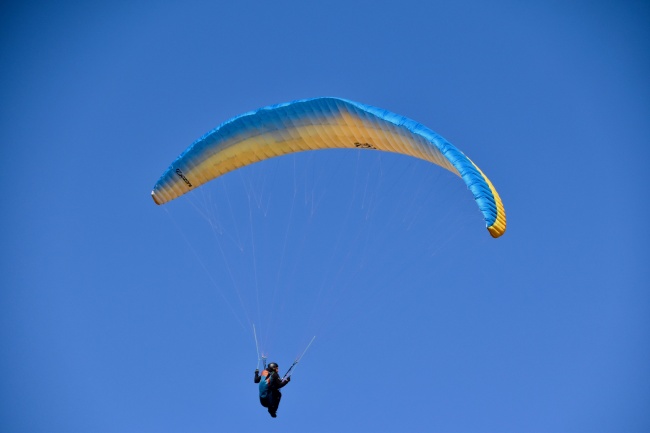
[{"x": 272, "y": 365}]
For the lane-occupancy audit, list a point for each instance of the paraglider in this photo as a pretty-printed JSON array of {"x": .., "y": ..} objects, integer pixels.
[
  {"x": 321, "y": 123},
  {"x": 315, "y": 124},
  {"x": 269, "y": 380},
  {"x": 269, "y": 387}
]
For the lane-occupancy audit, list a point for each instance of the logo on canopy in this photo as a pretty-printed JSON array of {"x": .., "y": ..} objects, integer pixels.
[
  {"x": 182, "y": 176},
  {"x": 364, "y": 145}
]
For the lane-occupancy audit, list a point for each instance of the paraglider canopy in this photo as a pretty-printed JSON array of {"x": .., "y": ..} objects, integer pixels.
[{"x": 321, "y": 123}]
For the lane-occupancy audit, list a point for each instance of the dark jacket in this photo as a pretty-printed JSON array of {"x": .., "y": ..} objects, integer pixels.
[{"x": 275, "y": 382}]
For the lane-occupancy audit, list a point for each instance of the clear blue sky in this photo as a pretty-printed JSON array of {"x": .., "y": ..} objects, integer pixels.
[{"x": 117, "y": 315}]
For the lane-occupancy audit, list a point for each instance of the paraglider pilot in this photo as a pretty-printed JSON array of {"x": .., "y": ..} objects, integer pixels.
[{"x": 270, "y": 384}]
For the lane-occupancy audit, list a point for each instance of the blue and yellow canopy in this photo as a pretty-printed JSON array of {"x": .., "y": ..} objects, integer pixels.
[{"x": 321, "y": 123}]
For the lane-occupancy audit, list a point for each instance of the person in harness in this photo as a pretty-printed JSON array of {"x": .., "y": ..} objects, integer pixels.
[{"x": 270, "y": 384}]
